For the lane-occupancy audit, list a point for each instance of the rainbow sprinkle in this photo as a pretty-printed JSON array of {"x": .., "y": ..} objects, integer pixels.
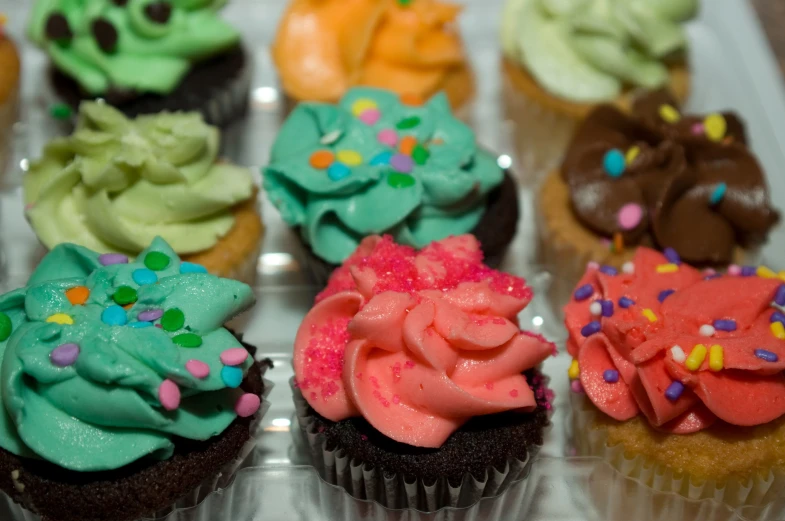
[
  {"x": 696, "y": 358},
  {"x": 574, "y": 371},
  {"x": 716, "y": 358},
  {"x": 667, "y": 268},
  {"x": 778, "y": 330},
  {"x": 649, "y": 314}
]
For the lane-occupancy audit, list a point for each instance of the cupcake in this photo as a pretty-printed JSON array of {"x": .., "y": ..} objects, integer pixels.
[
  {"x": 412, "y": 47},
  {"x": 563, "y": 59},
  {"x": 655, "y": 178},
  {"x": 116, "y": 183},
  {"x": 122, "y": 391},
  {"x": 9, "y": 95},
  {"x": 376, "y": 163},
  {"x": 682, "y": 372},
  {"x": 145, "y": 56},
  {"x": 441, "y": 408}
]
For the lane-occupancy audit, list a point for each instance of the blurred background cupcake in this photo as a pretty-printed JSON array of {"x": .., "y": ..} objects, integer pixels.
[
  {"x": 411, "y": 47},
  {"x": 145, "y": 56},
  {"x": 10, "y": 70},
  {"x": 561, "y": 59}
]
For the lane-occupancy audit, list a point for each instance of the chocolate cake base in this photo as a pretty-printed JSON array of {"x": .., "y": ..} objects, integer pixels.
[
  {"x": 134, "y": 491},
  {"x": 217, "y": 87}
]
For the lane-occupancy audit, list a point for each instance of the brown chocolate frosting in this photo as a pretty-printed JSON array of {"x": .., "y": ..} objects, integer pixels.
[{"x": 688, "y": 182}]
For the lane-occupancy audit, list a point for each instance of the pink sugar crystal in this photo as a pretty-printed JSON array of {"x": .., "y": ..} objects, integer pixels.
[
  {"x": 324, "y": 358},
  {"x": 396, "y": 370},
  {"x": 489, "y": 386},
  {"x": 409, "y": 364},
  {"x": 514, "y": 393},
  {"x": 396, "y": 399}
]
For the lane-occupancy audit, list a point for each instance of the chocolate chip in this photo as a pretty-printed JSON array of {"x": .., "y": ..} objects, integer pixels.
[
  {"x": 105, "y": 34},
  {"x": 158, "y": 12},
  {"x": 57, "y": 27},
  {"x": 120, "y": 3}
]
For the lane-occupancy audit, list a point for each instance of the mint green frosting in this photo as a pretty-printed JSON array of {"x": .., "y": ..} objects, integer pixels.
[
  {"x": 103, "y": 412},
  {"x": 587, "y": 51},
  {"x": 443, "y": 194},
  {"x": 116, "y": 183},
  {"x": 148, "y": 57}
]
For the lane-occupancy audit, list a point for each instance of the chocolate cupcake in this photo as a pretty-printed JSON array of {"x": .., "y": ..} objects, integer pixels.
[
  {"x": 123, "y": 393},
  {"x": 145, "y": 56},
  {"x": 376, "y": 163},
  {"x": 411, "y": 368}
]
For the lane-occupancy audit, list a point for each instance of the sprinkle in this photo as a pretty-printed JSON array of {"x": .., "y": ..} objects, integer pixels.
[
  {"x": 408, "y": 123},
  {"x": 632, "y": 154},
  {"x": 767, "y": 356},
  {"x": 363, "y": 104},
  {"x": 173, "y": 319},
  {"x": 674, "y": 391},
  {"x": 169, "y": 395},
  {"x": 748, "y": 271},
  {"x": 407, "y": 145},
  {"x": 108, "y": 259},
  {"x": 778, "y": 330},
  {"x": 607, "y": 308},
  {"x": 678, "y": 354},
  {"x": 716, "y": 358},
  {"x": 667, "y": 268},
  {"x": 715, "y": 126},
  {"x": 338, "y": 171},
  {"x": 609, "y": 270},
  {"x": 321, "y": 159},
  {"x": 370, "y": 116},
  {"x": 330, "y": 137},
  {"x": 381, "y": 159},
  {"x": 143, "y": 276},
  {"x": 247, "y": 405},
  {"x": 718, "y": 194},
  {"x": 420, "y": 155},
  {"x": 387, "y": 137},
  {"x": 5, "y": 327},
  {"x": 197, "y": 368},
  {"x": 574, "y": 371},
  {"x": 411, "y": 99},
  {"x": 626, "y": 302},
  {"x": 350, "y": 157},
  {"x": 734, "y": 269},
  {"x": 592, "y": 265},
  {"x": 697, "y": 129},
  {"x": 649, "y": 314},
  {"x": 618, "y": 242},
  {"x": 665, "y": 294},
  {"x": 706, "y": 330},
  {"x": 61, "y": 111},
  {"x": 191, "y": 267},
  {"x": 402, "y": 163},
  {"x": 187, "y": 340},
  {"x": 140, "y": 325},
  {"x": 232, "y": 376},
  {"x": 125, "y": 295},
  {"x": 153, "y": 314},
  {"x": 77, "y": 295},
  {"x": 156, "y": 261},
  {"x": 234, "y": 356},
  {"x": 61, "y": 318},
  {"x": 777, "y": 317},
  {"x": 514, "y": 393},
  {"x": 613, "y": 162},
  {"x": 397, "y": 180},
  {"x": 576, "y": 387},
  {"x": 64, "y": 355},
  {"x": 765, "y": 272},
  {"x": 696, "y": 358},
  {"x": 725, "y": 324},
  {"x": 669, "y": 114},
  {"x": 628, "y": 268},
  {"x": 595, "y": 308},
  {"x": 672, "y": 256},
  {"x": 583, "y": 292},
  {"x": 611, "y": 376},
  {"x": 114, "y": 316},
  {"x": 591, "y": 328},
  {"x": 629, "y": 216}
]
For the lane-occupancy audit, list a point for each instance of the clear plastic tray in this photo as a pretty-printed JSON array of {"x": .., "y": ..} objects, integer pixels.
[{"x": 733, "y": 68}]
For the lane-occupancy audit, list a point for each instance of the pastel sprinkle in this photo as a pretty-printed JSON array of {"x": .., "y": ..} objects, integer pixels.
[
  {"x": 197, "y": 368},
  {"x": 748, "y": 271},
  {"x": 125, "y": 295},
  {"x": 420, "y": 154},
  {"x": 718, "y": 194},
  {"x": 592, "y": 265},
  {"x": 778, "y": 330},
  {"x": 191, "y": 267},
  {"x": 649, "y": 314},
  {"x": 629, "y": 216},
  {"x": 583, "y": 292},
  {"x": 234, "y": 356},
  {"x": 696, "y": 358},
  {"x": 765, "y": 272},
  {"x": 338, "y": 171},
  {"x": 665, "y": 294},
  {"x": 674, "y": 391},
  {"x": 140, "y": 325},
  {"x": 169, "y": 395},
  {"x": 734, "y": 269},
  {"x": 632, "y": 154},
  {"x": 330, "y": 137},
  {"x": 611, "y": 376},
  {"x": 187, "y": 340},
  {"x": 609, "y": 270},
  {"x": 697, "y": 129},
  {"x": 408, "y": 123},
  {"x": 153, "y": 314},
  {"x": 667, "y": 268},
  {"x": 618, "y": 242},
  {"x": 402, "y": 163},
  {"x": 247, "y": 405},
  {"x": 321, "y": 159},
  {"x": 370, "y": 116},
  {"x": 64, "y": 355},
  {"x": 678, "y": 354},
  {"x": 591, "y": 328},
  {"x": 777, "y": 317},
  {"x": 381, "y": 159},
  {"x": 156, "y": 261},
  {"x": 114, "y": 316},
  {"x": 61, "y": 318},
  {"x": 672, "y": 256},
  {"x": 173, "y": 319},
  {"x": 715, "y": 126},
  {"x": 6, "y": 326},
  {"x": 397, "y": 180},
  {"x": 407, "y": 145},
  {"x": 143, "y": 276},
  {"x": 625, "y": 302},
  {"x": 61, "y": 111},
  {"x": 669, "y": 114},
  {"x": 349, "y": 157},
  {"x": 574, "y": 371},
  {"x": 766, "y": 356},
  {"x": 595, "y": 308},
  {"x": 716, "y": 358},
  {"x": 363, "y": 104},
  {"x": 725, "y": 325},
  {"x": 607, "y": 308},
  {"x": 613, "y": 162},
  {"x": 77, "y": 295},
  {"x": 628, "y": 268},
  {"x": 706, "y": 330},
  {"x": 387, "y": 137},
  {"x": 108, "y": 259},
  {"x": 232, "y": 376},
  {"x": 576, "y": 387}
]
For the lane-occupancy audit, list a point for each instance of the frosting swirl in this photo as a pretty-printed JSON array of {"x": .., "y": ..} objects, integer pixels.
[
  {"x": 681, "y": 347},
  {"x": 662, "y": 178},
  {"x": 417, "y": 343},
  {"x": 116, "y": 183},
  {"x": 323, "y": 48},
  {"x": 587, "y": 51},
  {"x": 90, "y": 385},
  {"x": 335, "y": 168},
  {"x": 131, "y": 46}
]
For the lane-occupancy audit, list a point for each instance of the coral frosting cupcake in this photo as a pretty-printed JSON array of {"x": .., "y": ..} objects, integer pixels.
[
  {"x": 116, "y": 183},
  {"x": 412, "y": 47},
  {"x": 412, "y": 367},
  {"x": 145, "y": 56},
  {"x": 121, "y": 391},
  {"x": 683, "y": 376},
  {"x": 10, "y": 71},
  {"x": 655, "y": 178}
]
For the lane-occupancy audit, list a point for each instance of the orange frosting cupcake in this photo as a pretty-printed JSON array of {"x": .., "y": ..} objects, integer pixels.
[{"x": 325, "y": 47}]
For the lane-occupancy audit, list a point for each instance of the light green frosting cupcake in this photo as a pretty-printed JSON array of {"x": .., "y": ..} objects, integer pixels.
[
  {"x": 374, "y": 165},
  {"x": 135, "y": 45},
  {"x": 116, "y": 183},
  {"x": 90, "y": 386},
  {"x": 587, "y": 51}
]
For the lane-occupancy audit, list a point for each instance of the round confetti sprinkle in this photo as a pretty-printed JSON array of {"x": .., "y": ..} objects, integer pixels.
[
  {"x": 60, "y": 318},
  {"x": 672, "y": 256},
  {"x": 338, "y": 171},
  {"x": 583, "y": 292},
  {"x": 108, "y": 259},
  {"x": 625, "y": 302},
  {"x": 77, "y": 295},
  {"x": 630, "y": 216},
  {"x": 172, "y": 320},
  {"x": 154, "y": 314},
  {"x": 234, "y": 356},
  {"x": 765, "y": 355},
  {"x": 197, "y": 368},
  {"x": 363, "y": 104},
  {"x": 387, "y": 137},
  {"x": 411, "y": 99},
  {"x": 715, "y": 126},
  {"x": 140, "y": 325},
  {"x": 125, "y": 295},
  {"x": 232, "y": 376},
  {"x": 669, "y": 114},
  {"x": 5, "y": 327},
  {"x": 64, "y": 355},
  {"x": 706, "y": 330},
  {"x": 169, "y": 395},
  {"x": 370, "y": 116},
  {"x": 407, "y": 145},
  {"x": 61, "y": 111},
  {"x": 420, "y": 154},
  {"x": 725, "y": 325},
  {"x": 607, "y": 308},
  {"x": 613, "y": 162},
  {"x": 718, "y": 194},
  {"x": 187, "y": 340},
  {"x": 628, "y": 268},
  {"x": 408, "y": 123},
  {"x": 674, "y": 391},
  {"x": 114, "y": 316},
  {"x": 665, "y": 294},
  {"x": 397, "y": 180},
  {"x": 143, "y": 276},
  {"x": 401, "y": 163},
  {"x": 595, "y": 308},
  {"x": 381, "y": 159},
  {"x": 632, "y": 154},
  {"x": 698, "y": 129},
  {"x": 576, "y": 387},
  {"x": 192, "y": 267},
  {"x": 247, "y": 405},
  {"x": 591, "y": 328},
  {"x": 611, "y": 376},
  {"x": 349, "y": 157},
  {"x": 321, "y": 159},
  {"x": 156, "y": 261}
]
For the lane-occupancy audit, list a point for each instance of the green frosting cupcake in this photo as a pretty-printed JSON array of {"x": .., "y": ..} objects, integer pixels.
[
  {"x": 374, "y": 165},
  {"x": 90, "y": 385},
  {"x": 117, "y": 183},
  {"x": 141, "y": 46},
  {"x": 587, "y": 51}
]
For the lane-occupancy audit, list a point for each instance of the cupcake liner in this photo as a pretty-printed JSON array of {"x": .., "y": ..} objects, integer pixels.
[{"x": 8, "y": 115}]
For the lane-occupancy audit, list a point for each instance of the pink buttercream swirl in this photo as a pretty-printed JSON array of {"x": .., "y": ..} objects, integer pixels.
[
  {"x": 417, "y": 343},
  {"x": 660, "y": 323}
]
